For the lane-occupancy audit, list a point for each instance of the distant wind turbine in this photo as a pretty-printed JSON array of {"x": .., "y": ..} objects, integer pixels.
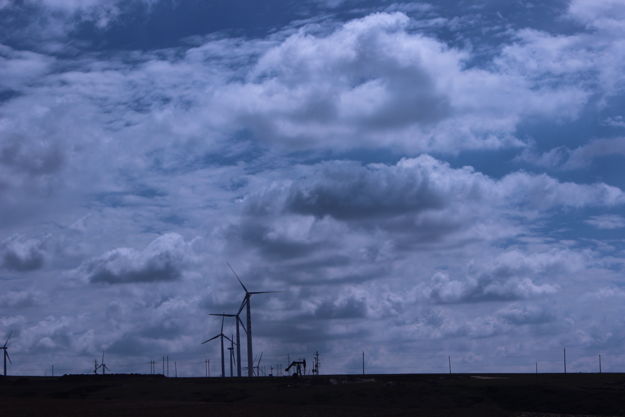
[
  {"x": 221, "y": 335},
  {"x": 5, "y": 354},
  {"x": 238, "y": 322},
  {"x": 258, "y": 364},
  {"x": 247, "y": 304},
  {"x": 103, "y": 365}
]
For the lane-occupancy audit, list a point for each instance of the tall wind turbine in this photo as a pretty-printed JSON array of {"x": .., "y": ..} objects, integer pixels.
[
  {"x": 5, "y": 354},
  {"x": 237, "y": 318},
  {"x": 221, "y": 335},
  {"x": 247, "y": 304}
]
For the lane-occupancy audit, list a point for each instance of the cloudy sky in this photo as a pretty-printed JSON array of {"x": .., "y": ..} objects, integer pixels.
[{"x": 418, "y": 179}]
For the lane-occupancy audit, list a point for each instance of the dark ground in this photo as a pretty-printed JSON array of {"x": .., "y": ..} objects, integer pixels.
[{"x": 518, "y": 395}]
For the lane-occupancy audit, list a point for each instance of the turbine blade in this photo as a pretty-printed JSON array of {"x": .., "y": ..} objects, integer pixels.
[
  {"x": 212, "y": 338},
  {"x": 8, "y": 338},
  {"x": 223, "y": 335},
  {"x": 242, "y": 325},
  {"x": 242, "y": 305},
  {"x": 222, "y": 323},
  {"x": 8, "y": 357},
  {"x": 263, "y": 292},
  {"x": 102, "y": 357},
  {"x": 237, "y": 276},
  {"x": 259, "y": 359},
  {"x": 222, "y": 315}
]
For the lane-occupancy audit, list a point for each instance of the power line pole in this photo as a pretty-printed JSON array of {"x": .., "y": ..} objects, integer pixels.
[
  {"x": 163, "y": 365},
  {"x": 167, "y": 365},
  {"x": 363, "y": 363},
  {"x": 315, "y": 369},
  {"x": 449, "y": 360},
  {"x": 564, "y": 361},
  {"x": 536, "y": 367},
  {"x": 599, "y": 363},
  {"x": 175, "y": 369}
]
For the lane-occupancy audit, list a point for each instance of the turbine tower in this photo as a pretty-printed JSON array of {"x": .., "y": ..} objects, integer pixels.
[
  {"x": 5, "y": 354},
  {"x": 221, "y": 335},
  {"x": 231, "y": 355},
  {"x": 247, "y": 304}
]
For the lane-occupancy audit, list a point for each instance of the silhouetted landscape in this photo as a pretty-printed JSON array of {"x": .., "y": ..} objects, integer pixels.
[{"x": 521, "y": 395}]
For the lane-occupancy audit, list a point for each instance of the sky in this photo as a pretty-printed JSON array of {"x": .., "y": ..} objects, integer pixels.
[{"x": 418, "y": 179}]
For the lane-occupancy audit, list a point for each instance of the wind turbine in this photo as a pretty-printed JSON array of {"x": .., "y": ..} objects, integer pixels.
[
  {"x": 221, "y": 335},
  {"x": 103, "y": 365},
  {"x": 5, "y": 354},
  {"x": 247, "y": 304},
  {"x": 258, "y": 364},
  {"x": 238, "y": 321}
]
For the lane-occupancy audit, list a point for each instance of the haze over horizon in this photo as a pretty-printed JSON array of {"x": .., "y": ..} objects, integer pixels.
[{"x": 419, "y": 179}]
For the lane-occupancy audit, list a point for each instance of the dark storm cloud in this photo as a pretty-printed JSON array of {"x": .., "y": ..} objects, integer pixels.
[
  {"x": 162, "y": 260},
  {"x": 350, "y": 308},
  {"x": 352, "y": 192},
  {"x": 133, "y": 345},
  {"x": 22, "y": 255},
  {"x": 422, "y": 193},
  {"x": 31, "y": 157},
  {"x": 19, "y": 299},
  {"x": 271, "y": 245},
  {"x": 513, "y": 275},
  {"x": 520, "y": 315}
]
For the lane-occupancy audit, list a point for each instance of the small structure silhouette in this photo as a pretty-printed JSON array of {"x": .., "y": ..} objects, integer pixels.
[
  {"x": 315, "y": 368},
  {"x": 300, "y": 367}
]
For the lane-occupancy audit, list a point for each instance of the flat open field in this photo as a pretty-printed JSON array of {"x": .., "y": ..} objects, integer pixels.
[{"x": 372, "y": 395}]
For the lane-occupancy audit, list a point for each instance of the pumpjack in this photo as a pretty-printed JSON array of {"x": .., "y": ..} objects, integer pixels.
[{"x": 298, "y": 367}]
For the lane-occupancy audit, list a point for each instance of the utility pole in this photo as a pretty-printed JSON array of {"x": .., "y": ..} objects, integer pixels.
[
  {"x": 163, "y": 365},
  {"x": 449, "y": 360},
  {"x": 315, "y": 369},
  {"x": 363, "y": 363},
  {"x": 599, "y": 363},
  {"x": 564, "y": 361},
  {"x": 536, "y": 367},
  {"x": 167, "y": 365},
  {"x": 175, "y": 369}
]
